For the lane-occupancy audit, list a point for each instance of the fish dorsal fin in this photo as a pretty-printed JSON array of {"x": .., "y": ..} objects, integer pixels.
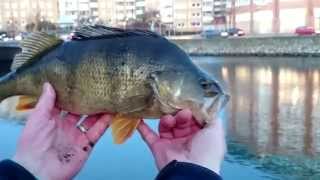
[
  {"x": 35, "y": 45},
  {"x": 95, "y": 31},
  {"x": 87, "y": 32}
]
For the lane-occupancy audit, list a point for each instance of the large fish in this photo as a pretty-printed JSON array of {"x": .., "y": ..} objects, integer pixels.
[{"x": 132, "y": 73}]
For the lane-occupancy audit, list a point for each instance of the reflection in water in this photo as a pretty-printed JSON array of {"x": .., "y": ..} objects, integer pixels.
[{"x": 274, "y": 111}]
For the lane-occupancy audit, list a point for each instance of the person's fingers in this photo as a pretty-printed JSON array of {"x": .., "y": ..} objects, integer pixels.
[
  {"x": 166, "y": 125},
  {"x": 71, "y": 118},
  {"x": 90, "y": 121},
  {"x": 147, "y": 134},
  {"x": 195, "y": 128},
  {"x": 182, "y": 132},
  {"x": 69, "y": 121},
  {"x": 45, "y": 104},
  {"x": 97, "y": 130},
  {"x": 184, "y": 119}
]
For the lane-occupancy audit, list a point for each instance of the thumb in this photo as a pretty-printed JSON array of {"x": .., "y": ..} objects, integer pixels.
[
  {"x": 147, "y": 134},
  {"x": 46, "y": 102}
]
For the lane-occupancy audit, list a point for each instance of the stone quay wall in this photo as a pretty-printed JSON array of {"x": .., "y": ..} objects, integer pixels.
[{"x": 253, "y": 46}]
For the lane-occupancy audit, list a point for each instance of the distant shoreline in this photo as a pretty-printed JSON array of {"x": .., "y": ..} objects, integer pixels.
[{"x": 283, "y": 46}]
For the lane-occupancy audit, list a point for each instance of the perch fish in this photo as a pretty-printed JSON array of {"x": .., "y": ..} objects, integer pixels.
[{"x": 133, "y": 74}]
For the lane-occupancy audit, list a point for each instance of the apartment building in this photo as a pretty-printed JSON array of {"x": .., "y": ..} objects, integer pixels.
[
  {"x": 273, "y": 16},
  {"x": 193, "y": 15},
  {"x": 207, "y": 12},
  {"x": 219, "y": 13},
  {"x": 120, "y": 12},
  {"x": 75, "y": 12},
  {"x": 16, "y": 14},
  {"x": 182, "y": 15}
]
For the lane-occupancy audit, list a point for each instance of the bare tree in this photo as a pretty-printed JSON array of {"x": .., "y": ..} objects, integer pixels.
[
  {"x": 40, "y": 24},
  {"x": 149, "y": 20}
]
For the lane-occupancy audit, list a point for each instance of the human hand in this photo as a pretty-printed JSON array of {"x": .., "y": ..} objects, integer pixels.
[
  {"x": 181, "y": 138},
  {"x": 53, "y": 148}
]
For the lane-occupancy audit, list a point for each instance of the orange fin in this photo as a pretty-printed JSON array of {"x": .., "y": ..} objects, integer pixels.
[
  {"x": 123, "y": 127},
  {"x": 26, "y": 103}
]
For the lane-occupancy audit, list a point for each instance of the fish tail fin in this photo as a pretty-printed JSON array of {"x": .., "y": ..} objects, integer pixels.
[
  {"x": 8, "y": 110},
  {"x": 8, "y": 101},
  {"x": 7, "y": 86}
]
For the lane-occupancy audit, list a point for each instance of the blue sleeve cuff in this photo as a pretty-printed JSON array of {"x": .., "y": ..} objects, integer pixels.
[
  {"x": 10, "y": 170},
  {"x": 186, "y": 171}
]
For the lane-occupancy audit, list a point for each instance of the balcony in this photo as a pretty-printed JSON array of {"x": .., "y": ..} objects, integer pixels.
[
  {"x": 139, "y": 12},
  {"x": 218, "y": 3},
  {"x": 94, "y": 5},
  {"x": 140, "y": 3},
  {"x": 207, "y": 19},
  {"x": 207, "y": 8}
]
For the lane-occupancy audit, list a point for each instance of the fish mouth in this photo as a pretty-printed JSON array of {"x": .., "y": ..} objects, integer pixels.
[
  {"x": 208, "y": 93},
  {"x": 213, "y": 105},
  {"x": 211, "y": 89}
]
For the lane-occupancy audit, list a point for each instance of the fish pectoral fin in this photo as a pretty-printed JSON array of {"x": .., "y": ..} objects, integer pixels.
[
  {"x": 123, "y": 127},
  {"x": 26, "y": 103}
]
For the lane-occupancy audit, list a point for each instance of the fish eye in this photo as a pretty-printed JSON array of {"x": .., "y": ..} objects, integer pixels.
[{"x": 205, "y": 84}]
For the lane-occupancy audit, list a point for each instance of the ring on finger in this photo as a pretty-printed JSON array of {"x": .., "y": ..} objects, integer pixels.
[{"x": 82, "y": 128}]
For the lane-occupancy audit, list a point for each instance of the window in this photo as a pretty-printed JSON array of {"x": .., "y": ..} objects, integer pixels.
[
  {"x": 49, "y": 5},
  {"x": 14, "y": 5},
  {"x": 22, "y": 5},
  {"x": 195, "y": 24},
  {"x": 23, "y": 14},
  {"x": 8, "y": 14}
]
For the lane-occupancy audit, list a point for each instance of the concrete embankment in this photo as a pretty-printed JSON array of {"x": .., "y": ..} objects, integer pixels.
[
  {"x": 253, "y": 46},
  {"x": 241, "y": 46}
]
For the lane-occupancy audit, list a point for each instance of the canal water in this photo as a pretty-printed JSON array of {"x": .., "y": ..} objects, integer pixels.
[{"x": 272, "y": 124}]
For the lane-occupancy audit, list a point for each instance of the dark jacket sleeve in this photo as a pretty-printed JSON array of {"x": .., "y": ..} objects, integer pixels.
[
  {"x": 186, "y": 171},
  {"x": 10, "y": 170}
]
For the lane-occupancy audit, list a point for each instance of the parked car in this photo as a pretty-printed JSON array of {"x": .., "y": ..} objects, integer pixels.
[
  {"x": 235, "y": 32},
  {"x": 211, "y": 33},
  {"x": 305, "y": 30},
  {"x": 3, "y": 35}
]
